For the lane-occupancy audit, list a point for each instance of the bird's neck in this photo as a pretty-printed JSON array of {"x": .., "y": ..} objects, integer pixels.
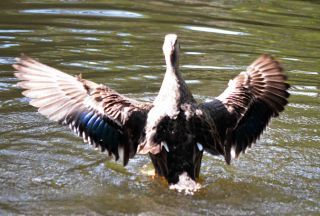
[
  {"x": 172, "y": 64},
  {"x": 172, "y": 74},
  {"x": 173, "y": 89},
  {"x": 170, "y": 87}
]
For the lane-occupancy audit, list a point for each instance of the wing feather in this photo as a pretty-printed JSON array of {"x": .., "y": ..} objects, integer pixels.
[
  {"x": 98, "y": 114},
  {"x": 250, "y": 100}
]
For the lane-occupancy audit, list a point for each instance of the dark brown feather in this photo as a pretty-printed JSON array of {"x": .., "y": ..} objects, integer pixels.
[{"x": 251, "y": 99}]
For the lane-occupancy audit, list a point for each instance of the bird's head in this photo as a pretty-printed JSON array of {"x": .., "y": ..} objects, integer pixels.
[{"x": 171, "y": 50}]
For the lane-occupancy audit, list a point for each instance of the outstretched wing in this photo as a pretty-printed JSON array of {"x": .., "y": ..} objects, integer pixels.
[
  {"x": 244, "y": 109},
  {"x": 103, "y": 117}
]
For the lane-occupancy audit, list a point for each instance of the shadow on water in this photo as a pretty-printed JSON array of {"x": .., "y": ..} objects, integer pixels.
[{"x": 47, "y": 170}]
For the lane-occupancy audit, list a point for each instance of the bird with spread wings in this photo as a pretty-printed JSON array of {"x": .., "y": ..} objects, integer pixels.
[{"x": 175, "y": 129}]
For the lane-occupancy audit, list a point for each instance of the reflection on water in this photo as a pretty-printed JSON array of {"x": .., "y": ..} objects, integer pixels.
[
  {"x": 207, "y": 67},
  {"x": 12, "y": 31},
  {"x": 214, "y": 30},
  {"x": 45, "y": 169},
  {"x": 81, "y": 12}
]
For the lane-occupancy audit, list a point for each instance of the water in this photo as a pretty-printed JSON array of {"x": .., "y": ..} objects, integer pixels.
[{"x": 45, "y": 169}]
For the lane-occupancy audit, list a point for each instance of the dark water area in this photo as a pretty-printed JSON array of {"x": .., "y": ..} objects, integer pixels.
[{"x": 45, "y": 169}]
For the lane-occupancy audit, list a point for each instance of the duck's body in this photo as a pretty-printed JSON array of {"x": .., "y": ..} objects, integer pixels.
[{"x": 174, "y": 129}]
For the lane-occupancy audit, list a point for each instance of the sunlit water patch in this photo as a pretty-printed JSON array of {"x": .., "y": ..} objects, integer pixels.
[
  {"x": 85, "y": 12},
  {"x": 208, "y": 67},
  {"x": 6, "y": 60},
  {"x": 214, "y": 30},
  {"x": 14, "y": 31},
  {"x": 96, "y": 65}
]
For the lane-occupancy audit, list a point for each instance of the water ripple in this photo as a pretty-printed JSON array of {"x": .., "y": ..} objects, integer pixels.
[
  {"x": 214, "y": 30},
  {"x": 7, "y": 37},
  {"x": 85, "y": 12},
  {"x": 310, "y": 94},
  {"x": 14, "y": 31},
  {"x": 192, "y": 81},
  {"x": 5, "y": 46},
  {"x": 87, "y": 31},
  {"x": 6, "y": 60},
  {"x": 97, "y": 65},
  {"x": 193, "y": 53},
  {"x": 211, "y": 67},
  {"x": 305, "y": 72}
]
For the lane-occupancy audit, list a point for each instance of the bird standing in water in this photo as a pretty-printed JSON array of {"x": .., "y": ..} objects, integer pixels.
[{"x": 175, "y": 129}]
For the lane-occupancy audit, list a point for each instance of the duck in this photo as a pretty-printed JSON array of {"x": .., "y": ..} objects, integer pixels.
[{"x": 174, "y": 130}]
